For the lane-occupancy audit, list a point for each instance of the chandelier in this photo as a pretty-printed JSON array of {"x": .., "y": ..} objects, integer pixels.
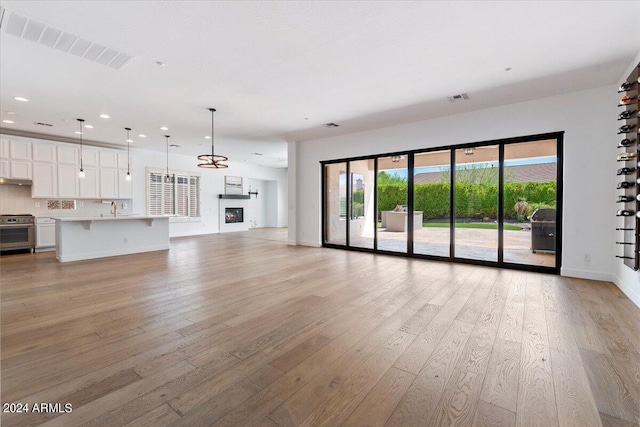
[{"x": 213, "y": 160}]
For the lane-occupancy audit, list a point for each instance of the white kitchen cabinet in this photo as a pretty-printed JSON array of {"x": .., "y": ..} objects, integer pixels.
[
  {"x": 20, "y": 169},
  {"x": 4, "y": 148},
  {"x": 108, "y": 159},
  {"x": 20, "y": 150},
  {"x": 122, "y": 160},
  {"x": 68, "y": 180},
  {"x": 125, "y": 189},
  {"x": 108, "y": 182},
  {"x": 45, "y": 233},
  {"x": 5, "y": 168},
  {"x": 44, "y": 181},
  {"x": 44, "y": 153},
  {"x": 68, "y": 155},
  {"x": 90, "y": 184},
  {"x": 90, "y": 157}
]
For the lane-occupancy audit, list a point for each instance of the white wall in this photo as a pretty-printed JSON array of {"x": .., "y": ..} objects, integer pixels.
[{"x": 586, "y": 117}]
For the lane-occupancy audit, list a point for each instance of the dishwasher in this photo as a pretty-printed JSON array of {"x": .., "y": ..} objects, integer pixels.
[{"x": 45, "y": 234}]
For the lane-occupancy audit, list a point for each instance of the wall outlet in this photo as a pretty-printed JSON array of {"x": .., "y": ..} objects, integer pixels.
[
  {"x": 37, "y": 204},
  {"x": 587, "y": 257},
  {"x": 81, "y": 204},
  {"x": 124, "y": 206}
]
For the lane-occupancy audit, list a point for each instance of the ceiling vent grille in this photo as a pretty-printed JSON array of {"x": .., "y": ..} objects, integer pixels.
[
  {"x": 43, "y": 124},
  {"x": 458, "y": 98},
  {"x": 29, "y": 29},
  {"x": 331, "y": 125}
]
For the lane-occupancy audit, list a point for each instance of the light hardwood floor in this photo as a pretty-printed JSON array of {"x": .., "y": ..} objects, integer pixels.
[{"x": 244, "y": 330}]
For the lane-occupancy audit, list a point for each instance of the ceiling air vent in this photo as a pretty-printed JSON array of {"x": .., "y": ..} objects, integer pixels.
[
  {"x": 330, "y": 125},
  {"x": 37, "y": 32},
  {"x": 43, "y": 124},
  {"x": 458, "y": 98}
]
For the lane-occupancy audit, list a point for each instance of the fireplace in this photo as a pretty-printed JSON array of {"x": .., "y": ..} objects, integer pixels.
[{"x": 232, "y": 215}]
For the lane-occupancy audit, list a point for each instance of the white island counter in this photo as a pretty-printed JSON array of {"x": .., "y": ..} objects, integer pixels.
[{"x": 79, "y": 238}]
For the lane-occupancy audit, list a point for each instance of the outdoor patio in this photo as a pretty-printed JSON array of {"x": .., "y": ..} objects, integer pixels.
[{"x": 480, "y": 244}]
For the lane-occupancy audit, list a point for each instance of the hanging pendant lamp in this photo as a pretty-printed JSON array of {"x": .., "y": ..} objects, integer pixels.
[
  {"x": 167, "y": 177},
  {"x": 213, "y": 160},
  {"x": 128, "y": 177},
  {"x": 81, "y": 172}
]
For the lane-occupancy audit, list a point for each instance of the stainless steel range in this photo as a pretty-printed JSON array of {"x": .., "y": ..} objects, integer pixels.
[{"x": 17, "y": 232}]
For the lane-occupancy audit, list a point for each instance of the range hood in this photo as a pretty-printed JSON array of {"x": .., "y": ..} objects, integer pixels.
[{"x": 15, "y": 181}]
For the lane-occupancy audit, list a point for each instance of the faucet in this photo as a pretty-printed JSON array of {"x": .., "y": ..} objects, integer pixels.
[{"x": 114, "y": 209}]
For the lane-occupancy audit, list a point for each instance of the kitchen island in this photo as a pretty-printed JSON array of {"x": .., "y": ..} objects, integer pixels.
[{"x": 79, "y": 238}]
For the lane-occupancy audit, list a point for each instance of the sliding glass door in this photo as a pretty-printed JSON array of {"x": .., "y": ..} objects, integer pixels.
[
  {"x": 392, "y": 190},
  {"x": 335, "y": 203},
  {"x": 361, "y": 201},
  {"x": 432, "y": 203},
  {"x": 476, "y": 198},
  {"x": 492, "y": 203},
  {"x": 530, "y": 202}
]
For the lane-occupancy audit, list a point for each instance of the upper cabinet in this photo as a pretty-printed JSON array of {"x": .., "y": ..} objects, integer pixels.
[
  {"x": 108, "y": 159},
  {"x": 44, "y": 153},
  {"x": 91, "y": 157},
  {"x": 53, "y": 167},
  {"x": 16, "y": 159},
  {"x": 19, "y": 150},
  {"x": 4, "y": 149},
  {"x": 68, "y": 155},
  {"x": 123, "y": 162}
]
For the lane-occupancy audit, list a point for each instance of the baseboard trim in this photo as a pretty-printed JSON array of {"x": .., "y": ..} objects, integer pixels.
[
  {"x": 630, "y": 292},
  {"x": 586, "y": 274},
  {"x": 114, "y": 252},
  {"x": 307, "y": 243}
]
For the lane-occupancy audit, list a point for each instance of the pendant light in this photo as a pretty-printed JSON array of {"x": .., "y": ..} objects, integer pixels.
[
  {"x": 167, "y": 178},
  {"x": 213, "y": 160},
  {"x": 128, "y": 177},
  {"x": 81, "y": 173}
]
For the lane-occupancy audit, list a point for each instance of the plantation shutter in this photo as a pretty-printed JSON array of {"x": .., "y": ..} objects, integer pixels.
[
  {"x": 182, "y": 195},
  {"x": 155, "y": 191},
  {"x": 179, "y": 197},
  {"x": 168, "y": 196},
  {"x": 194, "y": 197}
]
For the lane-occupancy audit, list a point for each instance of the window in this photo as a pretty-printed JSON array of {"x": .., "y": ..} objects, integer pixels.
[{"x": 180, "y": 196}]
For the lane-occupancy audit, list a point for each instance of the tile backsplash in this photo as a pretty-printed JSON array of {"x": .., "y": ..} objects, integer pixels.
[{"x": 16, "y": 199}]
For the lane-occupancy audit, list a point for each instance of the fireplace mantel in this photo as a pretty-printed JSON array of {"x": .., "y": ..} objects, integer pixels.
[{"x": 234, "y": 196}]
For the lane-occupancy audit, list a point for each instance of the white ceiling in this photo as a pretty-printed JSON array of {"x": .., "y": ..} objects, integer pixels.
[{"x": 277, "y": 71}]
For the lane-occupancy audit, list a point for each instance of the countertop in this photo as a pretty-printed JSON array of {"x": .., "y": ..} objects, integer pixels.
[{"x": 106, "y": 218}]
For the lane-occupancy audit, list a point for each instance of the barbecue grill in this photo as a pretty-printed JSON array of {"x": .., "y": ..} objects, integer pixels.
[{"x": 543, "y": 230}]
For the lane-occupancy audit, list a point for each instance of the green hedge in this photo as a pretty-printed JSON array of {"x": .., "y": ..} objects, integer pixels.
[{"x": 472, "y": 200}]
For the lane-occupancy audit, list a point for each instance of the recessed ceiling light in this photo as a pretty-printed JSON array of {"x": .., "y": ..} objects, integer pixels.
[
  {"x": 330, "y": 125},
  {"x": 164, "y": 128},
  {"x": 12, "y": 113},
  {"x": 207, "y": 137},
  {"x": 174, "y": 145},
  {"x": 20, "y": 98},
  {"x": 78, "y": 132},
  {"x": 105, "y": 116},
  {"x": 142, "y": 135},
  {"x": 257, "y": 154},
  {"x": 8, "y": 121},
  {"x": 508, "y": 69},
  {"x": 160, "y": 63},
  {"x": 129, "y": 140},
  {"x": 88, "y": 126}
]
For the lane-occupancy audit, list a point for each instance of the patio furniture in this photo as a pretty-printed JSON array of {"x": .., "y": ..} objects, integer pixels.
[
  {"x": 397, "y": 221},
  {"x": 543, "y": 230}
]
